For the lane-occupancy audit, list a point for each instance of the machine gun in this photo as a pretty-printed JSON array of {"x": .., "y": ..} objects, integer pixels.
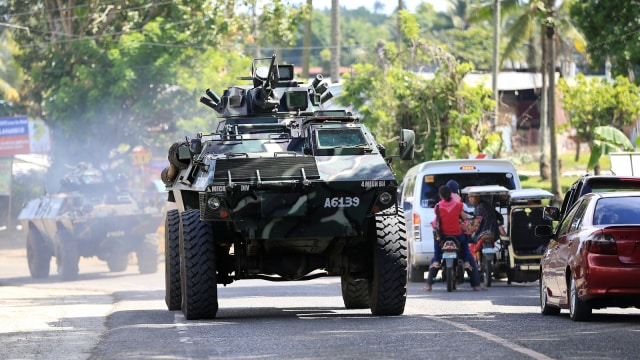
[{"x": 262, "y": 98}]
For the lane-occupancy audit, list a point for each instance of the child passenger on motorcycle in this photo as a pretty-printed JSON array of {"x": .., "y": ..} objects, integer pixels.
[{"x": 449, "y": 213}]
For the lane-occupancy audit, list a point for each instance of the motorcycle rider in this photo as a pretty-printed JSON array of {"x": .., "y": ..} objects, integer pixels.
[{"x": 449, "y": 213}]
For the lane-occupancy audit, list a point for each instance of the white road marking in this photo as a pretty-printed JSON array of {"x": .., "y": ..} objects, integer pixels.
[{"x": 496, "y": 339}]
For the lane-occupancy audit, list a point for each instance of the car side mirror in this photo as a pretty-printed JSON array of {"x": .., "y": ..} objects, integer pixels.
[
  {"x": 551, "y": 213},
  {"x": 406, "y": 144}
]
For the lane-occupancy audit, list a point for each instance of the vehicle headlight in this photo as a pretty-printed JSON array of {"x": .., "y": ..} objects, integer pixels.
[
  {"x": 214, "y": 203},
  {"x": 385, "y": 198}
]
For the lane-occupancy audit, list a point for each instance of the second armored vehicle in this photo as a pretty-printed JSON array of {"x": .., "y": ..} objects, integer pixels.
[
  {"x": 283, "y": 190},
  {"x": 89, "y": 216}
]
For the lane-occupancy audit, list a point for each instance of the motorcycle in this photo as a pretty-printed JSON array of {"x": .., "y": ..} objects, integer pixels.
[
  {"x": 453, "y": 271},
  {"x": 485, "y": 254}
]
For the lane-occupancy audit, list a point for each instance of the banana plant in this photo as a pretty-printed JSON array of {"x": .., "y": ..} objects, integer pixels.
[{"x": 607, "y": 139}]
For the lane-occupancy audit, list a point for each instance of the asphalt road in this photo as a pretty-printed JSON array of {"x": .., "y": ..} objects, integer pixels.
[{"x": 106, "y": 315}]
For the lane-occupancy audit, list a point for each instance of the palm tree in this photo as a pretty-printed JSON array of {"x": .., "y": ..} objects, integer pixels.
[
  {"x": 378, "y": 6},
  {"x": 525, "y": 24},
  {"x": 459, "y": 13}
]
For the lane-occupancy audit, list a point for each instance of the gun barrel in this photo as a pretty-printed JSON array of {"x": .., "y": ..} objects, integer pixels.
[
  {"x": 317, "y": 81},
  {"x": 213, "y": 96},
  {"x": 208, "y": 102}
]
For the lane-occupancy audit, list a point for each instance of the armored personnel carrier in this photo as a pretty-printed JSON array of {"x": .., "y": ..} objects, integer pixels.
[
  {"x": 89, "y": 216},
  {"x": 283, "y": 190}
]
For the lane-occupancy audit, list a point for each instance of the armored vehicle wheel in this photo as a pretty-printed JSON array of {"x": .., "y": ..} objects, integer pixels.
[
  {"x": 388, "y": 285},
  {"x": 38, "y": 255},
  {"x": 118, "y": 260},
  {"x": 147, "y": 255},
  {"x": 173, "y": 296},
  {"x": 197, "y": 267},
  {"x": 355, "y": 292},
  {"x": 67, "y": 255}
]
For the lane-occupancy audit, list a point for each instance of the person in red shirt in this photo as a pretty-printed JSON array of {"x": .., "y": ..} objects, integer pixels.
[{"x": 449, "y": 212}]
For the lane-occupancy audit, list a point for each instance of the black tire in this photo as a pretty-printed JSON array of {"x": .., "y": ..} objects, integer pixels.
[
  {"x": 388, "y": 285},
  {"x": 173, "y": 156},
  {"x": 578, "y": 309},
  {"x": 197, "y": 267},
  {"x": 545, "y": 308},
  {"x": 38, "y": 255},
  {"x": 355, "y": 292},
  {"x": 486, "y": 269},
  {"x": 451, "y": 279},
  {"x": 118, "y": 260},
  {"x": 173, "y": 295},
  {"x": 147, "y": 255},
  {"x": 67, "y": 256},
  {"x": 414, "y": 274}
]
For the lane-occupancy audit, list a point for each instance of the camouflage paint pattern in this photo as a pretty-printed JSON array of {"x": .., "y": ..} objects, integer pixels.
[
  {"x": 273, "y": 191},
  {"x": 95, "y": 213}
]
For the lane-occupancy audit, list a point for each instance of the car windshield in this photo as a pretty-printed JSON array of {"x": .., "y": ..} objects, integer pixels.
[
  {"x": 617, "y": 210},
  {"x": 606, "y": 185},
  {"x": 341, "y": 137}
]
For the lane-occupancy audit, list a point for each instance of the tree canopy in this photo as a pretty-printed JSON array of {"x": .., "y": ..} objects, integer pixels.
[
  {"x": 103, "y": 73},
  {"x": 594, "y": 103},
  {"x": 612, "y": 30},
  {"x": 450, "y": 118}
]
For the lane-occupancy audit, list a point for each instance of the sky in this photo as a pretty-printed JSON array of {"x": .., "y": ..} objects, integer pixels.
[{"x": 390, "y": 5}]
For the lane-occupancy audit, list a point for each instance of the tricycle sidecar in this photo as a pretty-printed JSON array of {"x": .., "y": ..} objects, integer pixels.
[
  {"x": 516, "y": 254},
  {"x": 525, "y": 249}
]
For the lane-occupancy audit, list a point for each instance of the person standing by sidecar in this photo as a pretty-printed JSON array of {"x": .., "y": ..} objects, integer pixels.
[
  {"x": 489, "y": 226},
  {"x": 449, "y": 214}
]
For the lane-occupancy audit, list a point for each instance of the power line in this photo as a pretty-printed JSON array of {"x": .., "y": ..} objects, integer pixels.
[{"x": 16, "y": 27}]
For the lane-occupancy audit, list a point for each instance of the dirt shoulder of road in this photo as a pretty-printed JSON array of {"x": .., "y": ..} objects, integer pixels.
[{"x": 12, "y": 239}]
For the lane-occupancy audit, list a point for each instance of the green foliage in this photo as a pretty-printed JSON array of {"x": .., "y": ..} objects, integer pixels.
[
  {"x": 470, "y": 45},
  {"x": 607, "y": 139},
  {"x": 104, "y": 75},
  {"x": 611, "y": 27},
  {"x": 596, "y": 103},
  {"x": 278, "y": 22},
  {"x": 450, "y": 118}
]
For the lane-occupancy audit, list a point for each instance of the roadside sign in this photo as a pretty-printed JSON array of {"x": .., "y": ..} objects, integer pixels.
[{"x": 141, "y": 157}]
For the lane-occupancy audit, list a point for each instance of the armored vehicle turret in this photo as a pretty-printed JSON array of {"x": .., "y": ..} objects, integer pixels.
[
  {"x": 283, "y": 190},
  {"x": 89, "y": 216}
]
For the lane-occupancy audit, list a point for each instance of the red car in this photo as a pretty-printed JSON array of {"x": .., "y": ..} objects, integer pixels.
[{"x": 593, "y": 258}]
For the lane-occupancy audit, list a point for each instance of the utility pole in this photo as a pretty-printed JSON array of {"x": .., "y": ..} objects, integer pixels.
[
  {"x": 556, "y": 190},
  {"x": 335, "y": 42},
  {"x": 306, "y": 51},
  {"x": 496, "y": 62}
]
